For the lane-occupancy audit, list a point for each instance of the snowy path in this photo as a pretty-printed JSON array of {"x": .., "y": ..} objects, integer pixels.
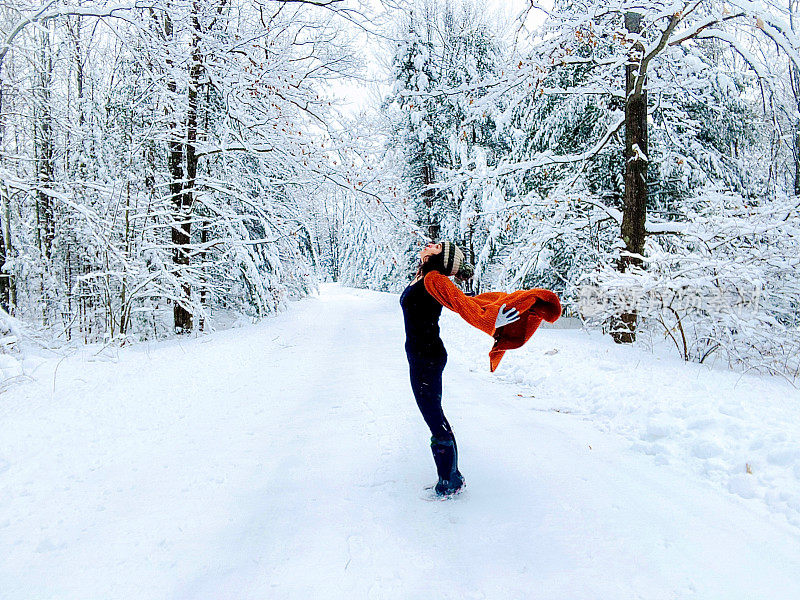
[{"x": 285, "y": 460}]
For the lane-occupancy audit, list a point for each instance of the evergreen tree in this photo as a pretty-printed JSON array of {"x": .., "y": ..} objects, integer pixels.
[{"x": 425, "y": 147}]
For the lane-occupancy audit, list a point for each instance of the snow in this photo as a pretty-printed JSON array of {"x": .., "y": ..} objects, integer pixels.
[
  {"x": 9, "y": 367},
  {"x": 712, "y": 422},
  {"x": 286, "y": 460}
]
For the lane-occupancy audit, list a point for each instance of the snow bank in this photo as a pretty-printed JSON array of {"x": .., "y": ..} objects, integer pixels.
[
  {"x": 741, "y": 432},
  {"x": 10, "y": 366}
]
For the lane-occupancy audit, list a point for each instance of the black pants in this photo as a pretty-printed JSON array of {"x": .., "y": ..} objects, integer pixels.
[{"x": 426, "y": 383}]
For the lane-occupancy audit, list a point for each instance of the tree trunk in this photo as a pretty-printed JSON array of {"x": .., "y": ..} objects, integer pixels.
[
  {"x": 205, "y": 225},
  {"x": 428, "y": 196},
  {"x": 5, "y": 241},
  {"x": 187, "y": 197},
  {"x": 470, "y": 252},
  {"x": 180, "y": 220},
  {"x": 8, "y": 290},
  {"x": 794, "y": 77},
  {"x": 794, "y": 80},
  {"x": 124, "y": 300},
  {"x": 797, "y": 158},
  {"x": 43, "y": 129},
  {"x": 204, "y": 284},
  {"x": 635, "y": 203},
  {"x": 74, "y": 29}
]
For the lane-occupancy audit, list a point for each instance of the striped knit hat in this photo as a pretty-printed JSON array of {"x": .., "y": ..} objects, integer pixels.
[{"x": 454, "y": 261}]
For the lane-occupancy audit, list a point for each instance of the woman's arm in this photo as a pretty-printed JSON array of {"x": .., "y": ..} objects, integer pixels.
[{"x": 470, "y": 308}]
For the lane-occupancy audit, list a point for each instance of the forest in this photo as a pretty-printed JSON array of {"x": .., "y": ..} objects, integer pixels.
[{"x": 169, "y": 167}]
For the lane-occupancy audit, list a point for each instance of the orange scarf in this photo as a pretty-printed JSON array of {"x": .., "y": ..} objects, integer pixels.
[{"x": 481, "y": 311}]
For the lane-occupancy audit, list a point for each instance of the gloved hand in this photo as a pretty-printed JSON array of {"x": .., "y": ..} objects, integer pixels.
[{"x": 504, "y": 317}]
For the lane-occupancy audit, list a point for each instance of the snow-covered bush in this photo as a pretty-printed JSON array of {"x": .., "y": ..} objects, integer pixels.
[{"x": 723, "y": 283}]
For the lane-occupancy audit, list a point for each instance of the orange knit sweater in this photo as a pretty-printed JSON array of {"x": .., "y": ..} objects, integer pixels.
[{"x": 481, "y": 311}]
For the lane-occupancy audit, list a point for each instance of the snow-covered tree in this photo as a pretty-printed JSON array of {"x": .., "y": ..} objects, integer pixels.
[
  {"x": 444, "y": 55},
  {"x": 162, "y": 163},
  {"x": 675, "y": 87}
]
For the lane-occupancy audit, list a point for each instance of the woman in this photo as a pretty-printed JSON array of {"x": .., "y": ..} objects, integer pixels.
[{"x": 427, "y": 356}]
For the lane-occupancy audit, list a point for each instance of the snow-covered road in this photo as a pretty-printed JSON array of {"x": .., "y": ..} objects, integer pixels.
[{"x": 286, "y": 460}]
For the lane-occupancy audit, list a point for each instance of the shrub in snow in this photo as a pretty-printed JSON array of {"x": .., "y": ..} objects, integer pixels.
[{"x": 724, "y": 282}]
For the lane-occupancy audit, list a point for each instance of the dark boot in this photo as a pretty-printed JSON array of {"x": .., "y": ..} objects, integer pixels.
[{"x": 445, "y": 455}]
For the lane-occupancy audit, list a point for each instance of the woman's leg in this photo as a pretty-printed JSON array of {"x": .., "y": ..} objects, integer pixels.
[{"x": 426, "y": 383}]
